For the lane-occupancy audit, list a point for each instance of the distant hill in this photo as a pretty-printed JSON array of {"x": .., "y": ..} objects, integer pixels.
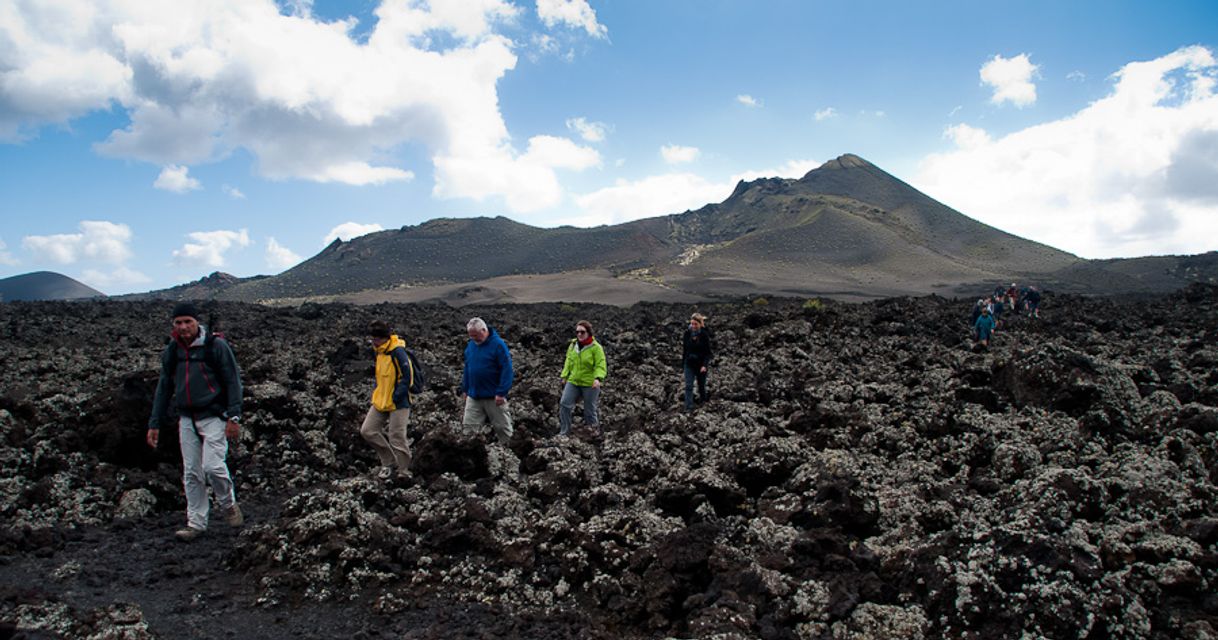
[
  {"x": 846, "y": 229},
  {"x": 206, "y": 288},
  {"x": 45, "y": 285}
]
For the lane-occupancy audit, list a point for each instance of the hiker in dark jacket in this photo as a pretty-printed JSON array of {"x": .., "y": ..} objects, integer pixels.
[
  {"x": 201, "y": 373},
  {"x": 696, "y": 350},
  {"x": 385, "y": 425},
  {"x": 486, "y": 380}
]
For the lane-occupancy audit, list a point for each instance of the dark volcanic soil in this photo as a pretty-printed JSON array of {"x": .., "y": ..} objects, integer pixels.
[{"x": 859, "y": 472}]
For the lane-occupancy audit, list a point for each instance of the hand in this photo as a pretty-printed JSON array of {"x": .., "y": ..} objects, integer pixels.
[
  {"x": 232, "y": 430},
  {"x": 154, "y": 436},
  {"x": 596, "y": 384},
  {"x": 562, "y": 385},
  {"x": 500, "y": 400}
]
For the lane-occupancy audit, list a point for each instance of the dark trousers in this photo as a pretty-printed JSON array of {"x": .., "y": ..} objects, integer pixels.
[{"x": 690, "y": 375}]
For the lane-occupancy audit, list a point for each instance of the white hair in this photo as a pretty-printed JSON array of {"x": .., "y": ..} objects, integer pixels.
[{"x": 476, "y": 323}]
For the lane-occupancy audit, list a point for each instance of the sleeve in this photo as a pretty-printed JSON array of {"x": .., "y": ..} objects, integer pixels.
[
  {"x": 505, "y": 371},
  {"x": 465, "y": 374},
  {"x": 710, "y": 348},
  {"x": 232, "y": 378},
  {"x": 599, "y": 370},
  {"x": 160, "y": 402},
  {"x": 566, "y": 364}
]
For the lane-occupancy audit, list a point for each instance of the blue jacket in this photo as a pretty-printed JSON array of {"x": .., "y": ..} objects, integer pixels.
[
  {"x": 488, "y": 368},
  {"x": 984, "y": 326},
  {"x": 202, "y": 385}
]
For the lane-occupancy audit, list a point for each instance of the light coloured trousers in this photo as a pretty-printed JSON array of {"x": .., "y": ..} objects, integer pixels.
[
  {"x": 566, "y": 406},
  {"x": 479, "y": 411},
  {"x": 386, "y": 432},
  {"x": 204, "y": 448}
]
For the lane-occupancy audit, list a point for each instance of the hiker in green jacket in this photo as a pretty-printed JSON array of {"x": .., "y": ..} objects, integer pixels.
[{"x": 582, "y": 374}]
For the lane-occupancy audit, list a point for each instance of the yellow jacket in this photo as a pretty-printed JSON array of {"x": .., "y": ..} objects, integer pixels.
[{"x": 392, "y": 392}]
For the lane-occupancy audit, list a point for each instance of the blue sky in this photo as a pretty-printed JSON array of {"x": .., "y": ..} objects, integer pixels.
[{"x": 144, "y": 144}]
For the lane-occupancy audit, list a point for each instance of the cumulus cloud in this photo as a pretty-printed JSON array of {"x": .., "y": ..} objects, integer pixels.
[
  {"x": 667, "y": 193},
  {"x": 1133, "y": 173},
  {"x": 6, "y": 258},
  {"x": 650, "y": 196},
  {"x": 176, "y": 179},
  {"x": 1011, "y": 79},
  {"x": 348, "y": 230},
  {"x": 233, "y": 192},
  {"x": 589, "y": 131},
  {"x": 527, "y": 181},
  {"x": 309, "y": 99},
  {"x": 748, "y": 101},
  {"x": 279, "y": 256},
  {"x": 116, "y": 277},
  {"x": 572, "y": 13},
  {"x": 208, "y": 248},
  {"x": 676, "y": 154},
  {"x": 97, "y": 240},
  {"x": 825, "y": 114}
]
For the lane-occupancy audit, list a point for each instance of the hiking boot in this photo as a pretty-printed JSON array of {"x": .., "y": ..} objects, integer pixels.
[
  {"x": 233, "y": 516},
  {"x": 187, "y": 534}
]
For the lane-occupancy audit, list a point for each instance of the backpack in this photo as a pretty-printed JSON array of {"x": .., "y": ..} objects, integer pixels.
[
  {"x": 418, "y": 373},
  {"x": 209, "y": 352}
]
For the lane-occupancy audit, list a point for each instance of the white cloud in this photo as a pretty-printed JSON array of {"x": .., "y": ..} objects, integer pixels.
[
  {"x": 572, "y": 13},
  {"x": 560, "y": 153},
  {"x": 666, "y": 194},
  {"x": 348, "y": 230},
  {"x": 306, "y": 98},
  {"x": 208, "y": 248},
  {"x": 233, "y": 192},
  {"x": 118, "y": 276},
  {"x": 279, "y": 256},
  {"x": 791, "y": 169},
  {"x": 1133, "y": 173},
  {"x": 651, "y": 196},
  {"x": 1011, "y": 79},
  {"x": 6, "y": 258},
  {"x": 98, "y": 240},
  {"x": 176, "y": 179},
  {"x": 967, "y": 137},
  {"x": 676, "y": 154},
  {"x": 825, "y": 114},
  {"x": 1077, "y": 76},
  {"x": 748, "y": 101},
  {"x": 589, "y": 131},
  {"x": 527, "y": 182}
]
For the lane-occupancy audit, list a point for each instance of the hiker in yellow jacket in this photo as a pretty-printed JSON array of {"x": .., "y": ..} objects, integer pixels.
[
  {"x": 582, "y": 374},
  {"x": 385, "y": 425}
]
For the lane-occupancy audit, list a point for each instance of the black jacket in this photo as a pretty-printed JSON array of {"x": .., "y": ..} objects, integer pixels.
[
  {"x": 202, "y": 385},
  {"x": 696, "y": 350}
]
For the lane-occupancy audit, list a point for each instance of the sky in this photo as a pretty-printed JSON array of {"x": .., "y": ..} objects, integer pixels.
[{"x": 145, "y": 144}]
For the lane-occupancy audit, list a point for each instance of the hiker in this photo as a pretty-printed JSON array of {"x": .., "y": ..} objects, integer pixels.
[
  {"x": 977, "y": 307},
  {"x": 984, "y": 327},
  {"x": 997, "y": 308},
  {"x": 582, "y": 374},
  {"x": 1032, "y": 302},
  {"x": 200, "y": 371},
  {"x": 1012, "y": 294},
  {"x": 486, "y": 380},
  {"x": 385, "y": 425},
  {"x": 696, "y": 358}
]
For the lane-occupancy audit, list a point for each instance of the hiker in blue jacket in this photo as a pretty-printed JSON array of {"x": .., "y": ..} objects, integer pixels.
[
  {"x": 984, "y": 326},
  {"x": 486, "y": 380}
]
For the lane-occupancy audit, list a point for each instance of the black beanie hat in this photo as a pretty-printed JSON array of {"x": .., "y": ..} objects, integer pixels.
[{"x": 185, "y": 309}]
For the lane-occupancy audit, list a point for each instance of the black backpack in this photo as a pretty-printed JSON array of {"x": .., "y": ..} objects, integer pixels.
[{"x": 418, "y": 373}]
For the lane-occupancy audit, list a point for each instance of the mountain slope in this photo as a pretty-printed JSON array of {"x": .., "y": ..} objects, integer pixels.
[
  {"x": 846, "y": 228},
  {"x": 45, "y": 285}
]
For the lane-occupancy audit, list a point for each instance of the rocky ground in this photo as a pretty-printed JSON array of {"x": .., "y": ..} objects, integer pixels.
[{"x": 861, "y": 471}]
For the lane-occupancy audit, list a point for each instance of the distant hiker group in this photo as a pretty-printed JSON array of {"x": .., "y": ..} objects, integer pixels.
[
  {"x": 200, "y": 372},
  {"x": 988, "y": 312}
]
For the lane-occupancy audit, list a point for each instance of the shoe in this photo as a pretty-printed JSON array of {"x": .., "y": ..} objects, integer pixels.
[
  {"x": 187, "y": 534},
  {"x": 233, "y": 516}
]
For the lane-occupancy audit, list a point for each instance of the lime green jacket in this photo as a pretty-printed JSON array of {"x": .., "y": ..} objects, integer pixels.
[{"x": 584, "y": 366}]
